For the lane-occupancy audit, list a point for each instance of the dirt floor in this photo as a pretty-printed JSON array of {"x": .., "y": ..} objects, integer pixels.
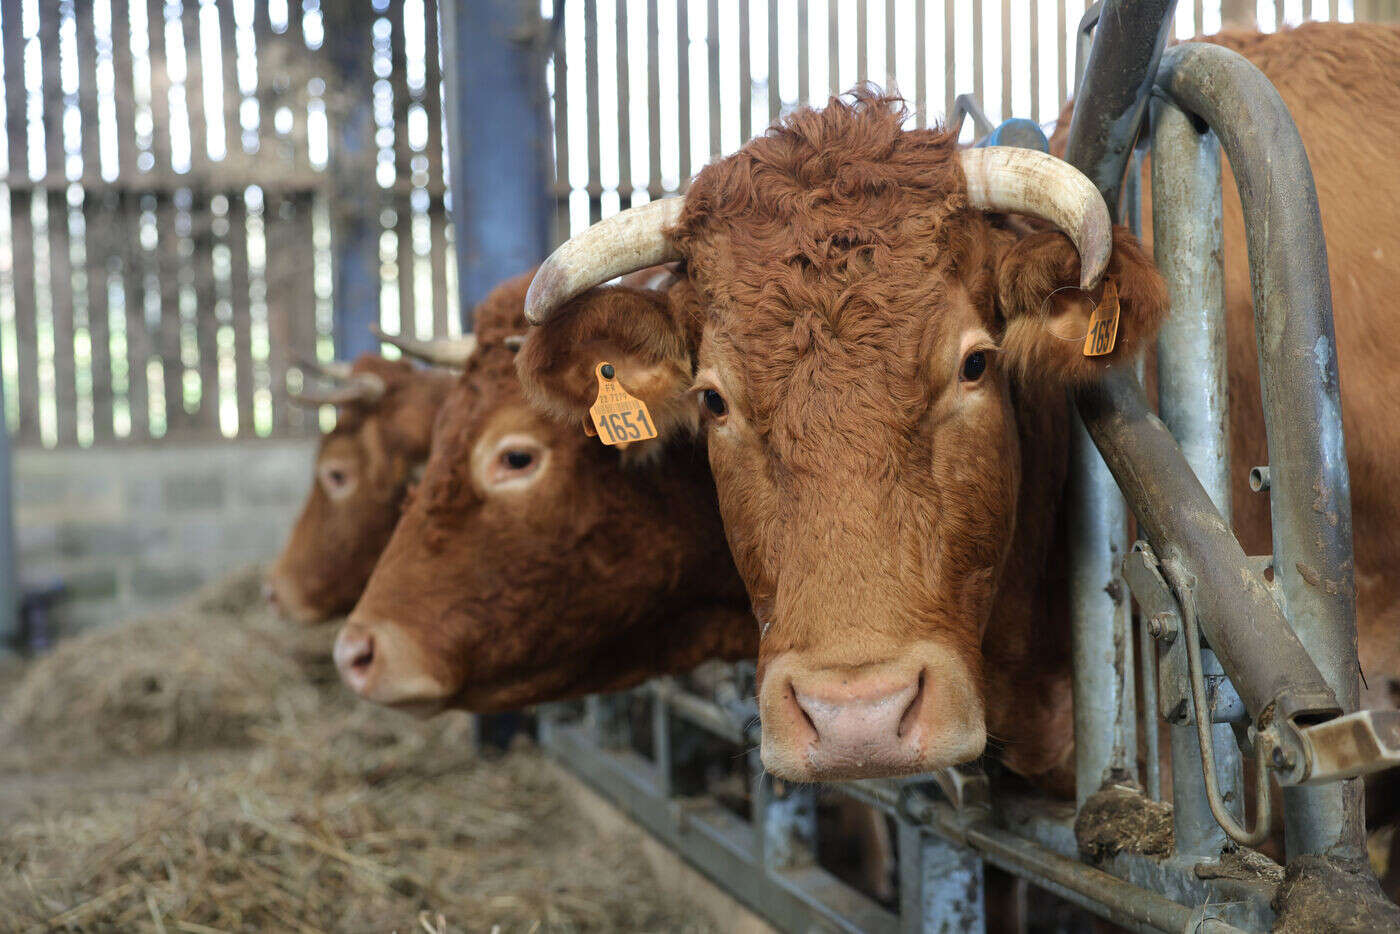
[{"x": 203, "y": 771}]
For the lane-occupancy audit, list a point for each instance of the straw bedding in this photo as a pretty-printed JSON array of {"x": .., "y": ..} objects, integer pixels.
[{"x": 199, "y": 771}]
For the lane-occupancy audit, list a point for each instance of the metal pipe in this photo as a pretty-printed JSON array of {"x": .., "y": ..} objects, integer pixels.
[
  {"x": 1272, "y": 671},
  {"x": 1105, "y": 714},
  {"x": 1309, "y": 482},
  {"x": 1108, "y": 110},
  {"x": 1112, "y": 95},
  {"x": 1193, "y": 398}
]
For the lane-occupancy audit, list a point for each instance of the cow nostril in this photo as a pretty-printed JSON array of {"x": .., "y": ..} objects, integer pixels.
[
  {"x": 910, "y": 718},
  {"x": 795, "y": 702},
  {"x": 364, "y": 655}
]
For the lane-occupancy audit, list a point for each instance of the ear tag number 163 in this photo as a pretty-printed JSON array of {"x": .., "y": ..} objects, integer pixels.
[{"x": 618, "y": 416}]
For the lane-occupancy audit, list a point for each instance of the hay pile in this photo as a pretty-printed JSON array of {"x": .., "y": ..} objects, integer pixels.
[
  {"x": 261, "y": 801},
  {"x": 200, "y": 676}
]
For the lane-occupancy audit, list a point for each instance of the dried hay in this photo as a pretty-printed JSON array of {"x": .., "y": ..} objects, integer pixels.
[
  {"x": 200, "y": 676},
  {"x": 325, "y": 816}
]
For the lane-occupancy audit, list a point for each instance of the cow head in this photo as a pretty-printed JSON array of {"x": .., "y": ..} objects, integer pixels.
[
  {"x": 384, "y": 417},
  {"x": 533, "y": 563},
  {"x": 869, "y": 344}
]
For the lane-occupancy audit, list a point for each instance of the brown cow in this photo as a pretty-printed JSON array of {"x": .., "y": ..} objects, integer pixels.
[
  {"x": 384, "y": 421},
  {"x": 880, "y": 368},
  {"x": 515, "y": 575}
]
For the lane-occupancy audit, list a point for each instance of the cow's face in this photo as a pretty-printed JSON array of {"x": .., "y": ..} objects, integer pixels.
[
  {"x": 533, "y": 563},
  {"x": 862, "y": 343},
  {"x": 363, "y": 469}
]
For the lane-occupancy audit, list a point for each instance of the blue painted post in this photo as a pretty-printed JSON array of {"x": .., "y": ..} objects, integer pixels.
[
  {"x": 493, "y": 58},
  {"x": 356, "y": 234}
]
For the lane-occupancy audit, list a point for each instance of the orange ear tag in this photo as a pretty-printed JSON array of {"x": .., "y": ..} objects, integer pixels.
[
  {"x": 618, "y": 416},
  {"x": 1103, "y": 324}
]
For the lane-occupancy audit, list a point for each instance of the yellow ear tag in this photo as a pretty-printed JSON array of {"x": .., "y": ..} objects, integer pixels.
[
  {"x": 1103, "y": 324},
  {"x": 618, "y": 416}
]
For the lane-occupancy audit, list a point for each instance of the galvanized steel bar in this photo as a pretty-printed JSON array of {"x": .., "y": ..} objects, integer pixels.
[
  {"x": 1108, "y": 111},
  {"x": 1105, "y": 715},
  {"x": 941, "y": 883},
  {"x": 1193, "y": 398},
  {"x": 1310, "y": 486}
]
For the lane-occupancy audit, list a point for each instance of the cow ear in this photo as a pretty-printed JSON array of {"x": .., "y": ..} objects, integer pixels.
[
  {"x": 1048, "y": 317},
  {"x": 632, "y": 329}
]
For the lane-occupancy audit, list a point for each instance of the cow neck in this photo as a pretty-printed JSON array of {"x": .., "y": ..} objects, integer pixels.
[{"x": 1027, "y": 642}]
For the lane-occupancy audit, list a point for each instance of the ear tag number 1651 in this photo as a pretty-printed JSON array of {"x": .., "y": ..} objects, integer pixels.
[{"x": 618, "y": 416}]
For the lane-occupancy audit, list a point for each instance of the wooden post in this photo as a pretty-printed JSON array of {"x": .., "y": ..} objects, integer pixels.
[
  {"x": 498, "y": 128},
  {"x": 1238, "y": 14}
]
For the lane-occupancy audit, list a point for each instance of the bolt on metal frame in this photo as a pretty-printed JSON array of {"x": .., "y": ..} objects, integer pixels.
[{"x": 1178, "y": 487}]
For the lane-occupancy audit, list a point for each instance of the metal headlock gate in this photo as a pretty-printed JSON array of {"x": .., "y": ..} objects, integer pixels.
[{"x": 1234, "y": 658}]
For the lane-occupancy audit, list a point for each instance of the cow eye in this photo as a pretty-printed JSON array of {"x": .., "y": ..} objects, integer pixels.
[
  {"x": 713, "y": 401},
  {"x": 517, "y": 460},
  {"x": 974, "y": 365},
  {"x": 337, "y": 480}
]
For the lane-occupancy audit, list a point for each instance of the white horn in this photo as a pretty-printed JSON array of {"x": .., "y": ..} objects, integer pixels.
[
  {"x": 623, "y": 243},
  {"x": 447, "y": 351},
  {"x": 1024, "y": 181}
]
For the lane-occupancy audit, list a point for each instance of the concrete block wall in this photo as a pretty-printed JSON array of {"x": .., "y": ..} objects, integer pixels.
[{"x": 129, "y": 529}]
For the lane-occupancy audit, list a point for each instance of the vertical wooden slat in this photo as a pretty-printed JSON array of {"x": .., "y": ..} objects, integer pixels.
[
  {"x": 22, "y": 244},
  {"x": 804, "y": 59},
  {"x": 590, "y": 54},
  {"x": 624, "y": 111},
  {"x": 206, "y": 318},
  {"x": 1333, "y": 9},
  {"x": 950, "y": 90},
  {"x": 1005, "y": 59},
  {"x": 1035, "y": 60},
  {"x": 653, "y": 101},
  {"x": 288, "y": 295},
  {"x": 140, "y": 343},
  {"x": 160, "y": 99},
  {"x": 432, "y": 101},
  {"x": 408, "y": 309},
  {"x": 921, "y": 61},
  {"x": 1199, "y": 10},
  {"x": 125, "y": 100},
  {"x": 862, "y": 42},
  {"x": 61, "y": 295},
  {"x": 169, "y": 267},
  {"x": 99, "y": 375},
  {"x": 745, "y": 75},
  {"x": 775, "y": 101},
  {"x": 977, "y": 58},
  {"x": 1062, "y": 59},
  {"x": 712, "y": 60},
  {"x": 87, "y": 86},
  {"x": 100, "y": 210},
  {"x": 438, "y": 257},
  {"x": 891, "y": 50},
  {"x": 240, "y": 314},
  {"x": 683, "y": 88},
  {"x": 833, "y": 45},
  {"x": 52, "y": 89},
  {"x": 194, "y": 90},
  {"x": 399, "y": 195}
]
